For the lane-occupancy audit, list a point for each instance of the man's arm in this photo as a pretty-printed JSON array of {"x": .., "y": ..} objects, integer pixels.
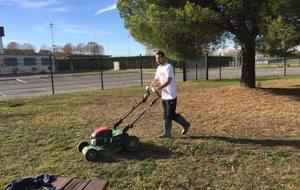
[
  {"x": 170, "y": 74},
  {"x": 154, "y": 83},
  {"x": 165, "y": 84}
]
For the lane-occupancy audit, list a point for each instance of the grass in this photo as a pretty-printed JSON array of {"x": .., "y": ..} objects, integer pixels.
[
  {"x": 239, "y": 139},
  {"x": 290, "y": 63}
]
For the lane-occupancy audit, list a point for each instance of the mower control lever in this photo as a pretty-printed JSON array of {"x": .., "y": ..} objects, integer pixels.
[
  {"x": 146, "y": 95},
  {"x": 157, "y": 93}
]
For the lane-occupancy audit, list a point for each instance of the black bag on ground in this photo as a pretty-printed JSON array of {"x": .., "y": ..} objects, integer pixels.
[{"x": 40, "y": 182}]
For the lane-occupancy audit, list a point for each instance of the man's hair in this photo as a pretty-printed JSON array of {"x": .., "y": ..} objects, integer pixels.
[{"x": 161, "y": 53}]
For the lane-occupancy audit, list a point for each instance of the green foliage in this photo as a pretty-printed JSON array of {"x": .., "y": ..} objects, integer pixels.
[
  {"x": 274, "y": 156},
  {"x": 171, "y": 26},
  {"x": 188, "y": 28},
  {"x": 280, "y": 37},
  {"x": 201, "y": 149},
  {"x": 145, "y": 168},
  {"x": 228, "y": 163}
]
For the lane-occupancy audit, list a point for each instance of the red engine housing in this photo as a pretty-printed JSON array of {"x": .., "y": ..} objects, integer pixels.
[
  {"x": 101, "y": 136},
  {"x": 99, "y": 131}
]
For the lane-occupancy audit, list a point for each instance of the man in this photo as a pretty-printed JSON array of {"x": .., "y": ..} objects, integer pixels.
[{"x": 165, "y": 80}]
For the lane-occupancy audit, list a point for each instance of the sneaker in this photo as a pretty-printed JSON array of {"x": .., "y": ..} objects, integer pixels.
[
  {"x": 165, "y": 136},
  {"x": 186, "y": 129}
]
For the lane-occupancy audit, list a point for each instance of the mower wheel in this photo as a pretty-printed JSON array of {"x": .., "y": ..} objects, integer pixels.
[
  {"x": 81, "y": 145},
  {"x": 91, "y": 155},
  {"x": 132, "y": 144}
]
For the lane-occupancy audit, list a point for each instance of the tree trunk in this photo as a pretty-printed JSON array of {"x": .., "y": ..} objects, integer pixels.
[{"x": 248, "y": 64}]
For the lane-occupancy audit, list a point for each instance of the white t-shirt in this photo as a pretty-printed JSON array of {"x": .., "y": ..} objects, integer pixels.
[{"x": 163, "y": 72}]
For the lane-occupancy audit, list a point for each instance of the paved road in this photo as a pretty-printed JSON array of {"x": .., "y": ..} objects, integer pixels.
[
  {"x": 41, "y": 85},
  {"x": 28, "y": 86},
  {"x": 235, "y": 73}
]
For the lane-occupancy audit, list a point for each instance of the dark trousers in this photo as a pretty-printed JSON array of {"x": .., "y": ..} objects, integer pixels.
[{"x": 169, "y": 108}]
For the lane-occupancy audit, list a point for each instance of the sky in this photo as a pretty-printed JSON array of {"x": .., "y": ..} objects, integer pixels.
[{"x": 75, "y": 21}]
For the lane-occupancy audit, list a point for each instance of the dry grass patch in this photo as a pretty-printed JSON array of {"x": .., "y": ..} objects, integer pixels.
[{"x": 239, "y": 139}]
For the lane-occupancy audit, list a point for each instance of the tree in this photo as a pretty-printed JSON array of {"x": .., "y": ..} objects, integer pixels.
[
  {"x": 281, "y": 38},
  {"x": 45, "y": 50},
  {"x": 93, "y": 48},
  {"x": 185, "y": 28},
  {"x": 232, "y": 52},
  {"x": 58, "y": 49},
  {"x": 13, "y": 48},
  {"x": 13, "y": 45},
  {"x": 28, "y": 49},
  {"x": 101, "y": 50},
  {"x": 16, "y": 48},
  {"x": 149, "y": 52},
  {"x": 80, "y": 48},
  {"x": 68, "y": 49},
  {"x": 59, "y": 52}
]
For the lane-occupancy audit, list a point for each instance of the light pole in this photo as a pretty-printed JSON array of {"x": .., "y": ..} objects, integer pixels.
[
  {"x": 128, "y": 46},
  {"x": 51, "y": 62},
  {"x": 53, "y": 47},
  {"x": 107, "y": 44}
]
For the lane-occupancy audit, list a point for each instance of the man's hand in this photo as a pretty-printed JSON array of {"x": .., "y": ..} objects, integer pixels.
[
  {"x": 154, "y": 89},
  {"x": 147, "y": 88}
]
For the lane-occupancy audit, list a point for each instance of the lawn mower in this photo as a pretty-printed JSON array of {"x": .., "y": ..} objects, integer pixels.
[{"x": 105, "y": 140}]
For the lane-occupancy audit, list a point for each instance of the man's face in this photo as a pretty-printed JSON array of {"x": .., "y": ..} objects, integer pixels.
[{"x": 159, "y": 59}]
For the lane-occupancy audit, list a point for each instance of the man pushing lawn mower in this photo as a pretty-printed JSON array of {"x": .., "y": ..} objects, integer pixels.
[
  {"x": 105, "y": 140},
  {"x": 165, "y": 76}
]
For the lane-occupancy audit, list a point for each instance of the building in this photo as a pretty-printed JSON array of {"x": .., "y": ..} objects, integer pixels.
[{"x": 22, "y": 64}]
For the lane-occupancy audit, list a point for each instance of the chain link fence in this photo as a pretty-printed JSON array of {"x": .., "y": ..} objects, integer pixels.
[
  {"x": 195, "y": 69},
  {"x": 99, "y": 73},
  {"x": 229, "y": 68},
  {"x": 80, "y": 74}
]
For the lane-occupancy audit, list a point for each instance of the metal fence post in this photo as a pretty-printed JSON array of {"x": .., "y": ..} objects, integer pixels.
[
  {"x": 196, "y": 65},
  {"x": 101, "y": 73},
  {"x": 141, "y": 69},
  {"x": 284, "y": 63},
  {"x": 220, "y": 67},
  {"x": 51, "y": 73},
  {"x": 206, "y": 64},
  {"x": 175, "y": 66},
  {"x": 184, "y": 71}
]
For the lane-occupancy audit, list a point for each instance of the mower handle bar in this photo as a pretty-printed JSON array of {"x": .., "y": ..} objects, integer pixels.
[
  {"x": 119, "y": 121},
  {"x": 139, "y": 116}
]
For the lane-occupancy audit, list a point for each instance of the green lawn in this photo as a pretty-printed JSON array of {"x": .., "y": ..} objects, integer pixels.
[
  {"x": 290, "y": 63},
  {"x": 239, "y": 139}
]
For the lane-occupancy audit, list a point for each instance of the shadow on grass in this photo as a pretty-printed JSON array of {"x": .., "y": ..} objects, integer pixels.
[
  {"x": 292, "y": 92},
  {"x": 263, "y": 142},
  {"x": 146, "y": 151}
]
